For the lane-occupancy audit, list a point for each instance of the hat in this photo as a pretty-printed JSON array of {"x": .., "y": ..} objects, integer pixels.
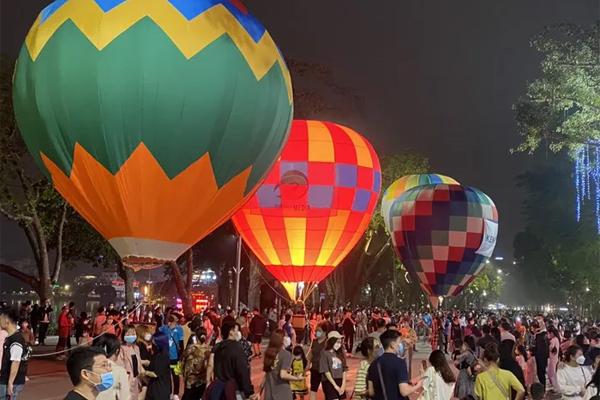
[{"x": 334, "y": 334}]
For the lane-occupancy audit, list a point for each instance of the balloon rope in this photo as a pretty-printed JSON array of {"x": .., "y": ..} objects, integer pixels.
[{"x": 85, "y": 344}]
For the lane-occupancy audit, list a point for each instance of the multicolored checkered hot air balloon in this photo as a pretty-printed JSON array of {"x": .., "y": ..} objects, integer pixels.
[
  {"x": 401, "y": 185},
  {"x": 155, "y": 119},
  {"x": 314, "y": 205},
  {"x": 443, "y": 234}
]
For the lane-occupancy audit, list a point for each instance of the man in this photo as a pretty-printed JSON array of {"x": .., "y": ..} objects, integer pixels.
[
  {"x": 257, "y": 328},
  {"x": 25, "y": 310},
  {"x": 348, "y": 327},
  {"x": 486, "y": 339},
  {"x": 174, "y": 333},
  {"x": 99, "y": 321},
  {"x": 228, "y": 363},
  {"x": 314, "y": 357},
  {"x": 505, "y": 333},
  {"x": 14, "y": 357},
  {"x": 229, "y": 317},
  {"x": 594, "y": 350},
  {"x": 45, "y": 311},
  {"x": 64, "y": 332},
  {"x": 387, "y": 377},
  {"x": 379, "y": 328},
  {"x": 90, "y": 373}
]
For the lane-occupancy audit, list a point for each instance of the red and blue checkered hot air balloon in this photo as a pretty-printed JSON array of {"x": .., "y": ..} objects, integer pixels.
[
  {"x": 443, "y": 234},
  {"x": 314, "y": 205}
]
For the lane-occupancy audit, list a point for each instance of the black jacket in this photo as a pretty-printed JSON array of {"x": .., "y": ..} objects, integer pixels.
[
  {"x": 258, "y": 325},
  {"x": 542, "y": 349},
  {"x": 232, "y": 364}
]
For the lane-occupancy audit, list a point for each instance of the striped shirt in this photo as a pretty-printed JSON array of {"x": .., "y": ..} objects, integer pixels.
[{"x": 360, "y": 387}]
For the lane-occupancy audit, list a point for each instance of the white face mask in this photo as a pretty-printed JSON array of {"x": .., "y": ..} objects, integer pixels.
[
  {"x": 580, "y": 360},
  {"x": 238, "y": 336},
  {"x": 287, "y": 342},
  {"x": 337, "y": 346},
  {"x": 147, "y": 337}
]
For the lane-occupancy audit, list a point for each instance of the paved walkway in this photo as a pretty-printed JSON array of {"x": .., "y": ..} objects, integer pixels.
[{"x": 49, "y": 380}]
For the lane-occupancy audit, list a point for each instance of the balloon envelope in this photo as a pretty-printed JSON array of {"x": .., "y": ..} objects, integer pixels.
[
  {"x": 314, "y": 205},
  {"x": 443, "y": 234},
  {"x": 401, "y": 185},
  {"x": 155, "y": 119}
]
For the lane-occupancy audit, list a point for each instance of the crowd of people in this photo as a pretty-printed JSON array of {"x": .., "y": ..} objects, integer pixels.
[{"x": 159, "y": 354}]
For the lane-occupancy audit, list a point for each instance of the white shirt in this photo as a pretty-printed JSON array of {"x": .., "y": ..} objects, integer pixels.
[
  {"x": 120, "y": 388},
  {"x": 572, "y": 380},
  {"x": 434, "y": 386}
]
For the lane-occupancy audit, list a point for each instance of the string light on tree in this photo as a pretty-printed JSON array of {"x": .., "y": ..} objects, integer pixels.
[{"x": 587, "y": 179}]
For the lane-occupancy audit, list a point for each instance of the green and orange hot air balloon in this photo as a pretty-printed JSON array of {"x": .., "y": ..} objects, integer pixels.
[
  {"x": 155, "y": 119},
  {"x": 314, "y": 206}
]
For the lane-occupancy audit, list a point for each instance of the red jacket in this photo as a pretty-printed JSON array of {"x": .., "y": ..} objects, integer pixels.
[{"x": 64, "y": 324}]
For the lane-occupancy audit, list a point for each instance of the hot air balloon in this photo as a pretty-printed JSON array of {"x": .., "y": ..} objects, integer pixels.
[
  {"x": 443, "y": 234},
  {"x": 404, "y": 183},
  {"x": 314, "y": 205},
  {"x": 154, "y": 119}
]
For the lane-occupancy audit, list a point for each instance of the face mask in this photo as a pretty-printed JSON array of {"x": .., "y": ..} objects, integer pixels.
[
  {"x": 130, "y": 339},
  {"x": 337, "y": 346},
  {"x": 287, "y": 342},
  {"x": 318, "y": 334},
  {"x": 378, "y": 352},
  {"x": 147, "y": 337},
  {"x": 400, "y": 349},
  {"x": 106, "y": 381},
  {"x": 238, "y": 336},
  {"x": 580, "y": 360}
]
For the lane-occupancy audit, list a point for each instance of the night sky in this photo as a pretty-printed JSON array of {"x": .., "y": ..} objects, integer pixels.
[{"x": 437, "y": 77}]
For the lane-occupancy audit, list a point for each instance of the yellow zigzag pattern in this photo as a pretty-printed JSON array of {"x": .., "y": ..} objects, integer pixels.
[{"x": 190, "y": 37}]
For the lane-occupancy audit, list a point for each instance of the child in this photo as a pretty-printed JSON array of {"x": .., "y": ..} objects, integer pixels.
[
  {"x": 531, "y": 370},
  {"x": 521, "y": 357},
  {"x": 537, "y": 391},
  {"x": 299, "y": 365}
]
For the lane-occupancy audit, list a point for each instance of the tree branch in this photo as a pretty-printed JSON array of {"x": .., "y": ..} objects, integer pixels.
[
  {"x": 59, "y": 243},
  {"x": 375, "y": 260},
  {"x": 33, "y": 243},
  {"x": 190, "y": 271},
  {"x": 23, "y": 277}
]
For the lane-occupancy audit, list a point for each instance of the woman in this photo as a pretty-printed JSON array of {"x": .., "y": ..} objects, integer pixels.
[
  {"x": 195, "y": 360},
  {"x": 332, "y": 368},
  {"x": 566, "y": 342},
  {"x": 120, "y": 388},
  {"x": 159, "y": 385},
  {"x": 131, "y": 360},
  {"x": 368, "y": 348},
  {"x": 276, "y": 365},
  {"x": 554, "y": 346},
  {"x": 439, "y": 381},
  {"x": 573, "y": 377},
  {"x": 464, "y": 363},
  {"x": 495, "y": 383},
  {"x": 508, "y": 361},
  {"x": 531, "y": 371}
]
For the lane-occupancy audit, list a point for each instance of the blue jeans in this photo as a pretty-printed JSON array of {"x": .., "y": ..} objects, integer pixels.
[{"x": 16, "y": 390}]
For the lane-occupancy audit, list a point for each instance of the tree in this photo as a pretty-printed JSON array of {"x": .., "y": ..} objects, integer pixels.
[
  {"x": 561, "y": 108},
  {"x": 28, "y": 200}
]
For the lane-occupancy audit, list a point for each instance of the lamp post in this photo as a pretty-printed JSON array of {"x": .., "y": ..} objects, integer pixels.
[{"x": 238, "y": 271}]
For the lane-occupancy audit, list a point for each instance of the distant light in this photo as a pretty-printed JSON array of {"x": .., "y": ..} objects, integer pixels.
[
  {"x": 499, "y": 271},
  {"x": 67, "y": 287},
  {"x": 514, "y": 263},
  {"x": 487, "y": 261},
  {"x": 484, "y": 293},
  {"x": 587, "y": 289},
  {"x": 499, "y": 258},
  {"x": 563, "y": 309}
]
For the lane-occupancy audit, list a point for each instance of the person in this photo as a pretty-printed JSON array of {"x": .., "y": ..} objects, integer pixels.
[
  {"x": 486, "y": 338},
  {"x": 35, "y": 321},
  {"x": 594, "y": 383},
  {"x": 505, "y": 333},
  {"x": 277, "y": 365},
  {"x": 194, "y": 361},
  {"x": 531, "y": 371},
  {"x": 28, "y": 335},
  {"x": 387, "y": 377},
  {"x": 348, "y": 327},
  {"x": 379, "y": 328},
  {"x": 299, "y": 367},
  {"x": 119, "y": 390},
  {"x": 44, "y": 323},
  {"x": 537, "y": 391},
  {"x": 228, "y": 365},
  {"x": 131, "y": 360},
  {"x": 99, "y": 321},
  {"x": 331, "y": 368},
  {"x": 554, "y": 350},
  {"x": 522, "y": 359},
  {"x": 82, "y": 326},
  {"x": 90, "y": 373},
  {"x": 368, "y": 348},
  {"x": 257, "y": 328},
  {"x": 495, "y": 383},
  {"x": 465, "y": 362},
  {"x": 439, "y": 380},
  {"x": 541, "y": 350},
  {"x": 15, "y": 354},
  {"x": 64, "y": 332},
  {"x": 456, "y": 333},
  {"x": 25, "y": 310},
  {"x": 159, "y": 384},
  {"x": 229, "y": 316},
  {"x": 508, "y": 361},
  {"x": 314, "y": 357},
  {"x": 573, "y": 377},
  {"x": 593, "y": 351},
  {"x": 175, "y": 334}
]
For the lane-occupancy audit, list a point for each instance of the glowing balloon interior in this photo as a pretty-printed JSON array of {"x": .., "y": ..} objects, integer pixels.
[{"x": 314, "y": 205}]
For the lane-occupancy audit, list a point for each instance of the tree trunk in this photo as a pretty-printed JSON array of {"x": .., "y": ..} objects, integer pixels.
[
  {"x": 180, "y": 285},
  {"x": 254, "y": 284},
  {"x": 128, "y": 277}
]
